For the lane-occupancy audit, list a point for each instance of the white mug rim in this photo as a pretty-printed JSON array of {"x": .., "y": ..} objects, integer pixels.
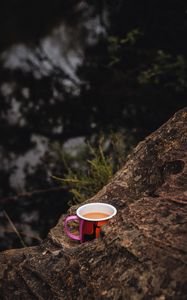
[{"x": 96, "y": 219}]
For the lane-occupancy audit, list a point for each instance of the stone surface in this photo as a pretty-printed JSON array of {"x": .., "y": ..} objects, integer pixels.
[{"x": 142, "y": 253}]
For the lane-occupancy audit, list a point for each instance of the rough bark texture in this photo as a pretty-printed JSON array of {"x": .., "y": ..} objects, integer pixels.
[{"x": 142, "y": 253}]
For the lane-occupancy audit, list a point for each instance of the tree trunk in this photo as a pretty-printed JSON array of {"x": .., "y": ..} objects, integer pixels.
[{"x": 142, "y": 253}]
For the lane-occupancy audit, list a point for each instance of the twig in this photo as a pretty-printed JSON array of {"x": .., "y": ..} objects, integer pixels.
[
  {"x": 70, "y": 180},
  {"x": 32, "y": 236},
  {"x": 29, "y": 194},
  {"x": 14, "y": 229}
]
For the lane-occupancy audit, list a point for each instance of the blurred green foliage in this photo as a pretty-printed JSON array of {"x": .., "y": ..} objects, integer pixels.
[
  {"x": 116, "y": 44},
  {"x": 167, "y": 70},
  {"x": 92, "y": 167}
]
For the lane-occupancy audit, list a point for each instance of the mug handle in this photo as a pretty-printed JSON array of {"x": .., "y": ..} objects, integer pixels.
[{"x": 71, "y": 235}]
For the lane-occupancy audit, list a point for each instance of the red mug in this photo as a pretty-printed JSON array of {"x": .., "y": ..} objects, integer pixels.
[{"x": 90, "y": 217}]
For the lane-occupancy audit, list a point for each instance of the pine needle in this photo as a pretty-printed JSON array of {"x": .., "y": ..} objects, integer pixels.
[{"x": 14, "y": 229}]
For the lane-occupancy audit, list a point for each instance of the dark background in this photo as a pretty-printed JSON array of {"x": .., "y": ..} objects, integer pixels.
[{"x": 70, "y": 70}]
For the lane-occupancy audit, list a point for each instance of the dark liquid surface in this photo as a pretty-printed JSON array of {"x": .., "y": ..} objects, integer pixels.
[{"x": 96, "y": 215}]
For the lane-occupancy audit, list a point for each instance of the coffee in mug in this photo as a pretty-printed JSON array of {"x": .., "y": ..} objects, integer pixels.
[{"x": 91, "y": 218}]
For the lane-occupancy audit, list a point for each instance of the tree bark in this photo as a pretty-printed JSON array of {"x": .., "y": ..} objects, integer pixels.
[{"x": 142, "y": 252}]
